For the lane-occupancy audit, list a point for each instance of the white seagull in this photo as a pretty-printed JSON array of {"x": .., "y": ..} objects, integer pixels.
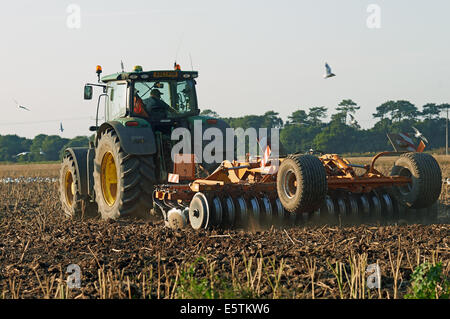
[
  {"x": 417, "y": 134},
  {"x": 328, "y": 73},
  {"x": 21, "y": 154},
  {"x": 21, "y": 106},
  {"x": 352, "y": 120}
]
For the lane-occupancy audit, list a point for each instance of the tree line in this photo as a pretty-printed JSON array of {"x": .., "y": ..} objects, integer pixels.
[
  {"x": 41, "y": 148},
  {"x": 304, "y": 129},
  {"x": 307, "y": 129}
]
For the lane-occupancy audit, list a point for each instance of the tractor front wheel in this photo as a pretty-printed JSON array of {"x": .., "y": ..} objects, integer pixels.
[{"x": 123, "y": 183}]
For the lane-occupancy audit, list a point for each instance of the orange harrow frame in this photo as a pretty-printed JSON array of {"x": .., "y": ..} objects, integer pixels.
[{"x": 250, "y": 178}]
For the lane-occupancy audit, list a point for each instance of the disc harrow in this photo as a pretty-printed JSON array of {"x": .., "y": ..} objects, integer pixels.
[{"x": 305, "y": 189}]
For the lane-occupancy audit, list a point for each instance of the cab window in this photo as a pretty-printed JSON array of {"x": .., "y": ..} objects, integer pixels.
[
  {"x": 116, "y": 105},
  {"x": 179, "y": 95}
]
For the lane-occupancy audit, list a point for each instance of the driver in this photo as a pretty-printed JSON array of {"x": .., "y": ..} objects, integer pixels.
[{"x": 154, "y": 104}]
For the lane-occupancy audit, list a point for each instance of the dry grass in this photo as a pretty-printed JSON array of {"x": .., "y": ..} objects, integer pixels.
[{"x": 29, "y": 170}]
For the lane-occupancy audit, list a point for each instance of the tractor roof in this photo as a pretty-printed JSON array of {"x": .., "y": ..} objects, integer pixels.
[{"x": 151, "y": 75}]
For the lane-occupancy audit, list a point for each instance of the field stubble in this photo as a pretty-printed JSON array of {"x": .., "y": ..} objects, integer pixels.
[{"x": 143, "y": 259}]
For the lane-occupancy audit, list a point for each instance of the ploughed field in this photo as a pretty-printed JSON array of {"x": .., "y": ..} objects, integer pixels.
[{"x": 144, "y": 259}]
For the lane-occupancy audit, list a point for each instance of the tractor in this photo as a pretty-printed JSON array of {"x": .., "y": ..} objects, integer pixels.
[
  {"x": 129, "y": 169},
  {"x": 130, "y": 154}
]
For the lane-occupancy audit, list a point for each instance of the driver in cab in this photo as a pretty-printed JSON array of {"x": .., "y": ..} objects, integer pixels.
[{"x": 153, "y": 107}]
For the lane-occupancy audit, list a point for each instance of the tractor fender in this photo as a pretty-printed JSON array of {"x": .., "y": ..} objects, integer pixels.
[
  {"x": 133, "y": 140},
  {"x": 79, "y": 155}
]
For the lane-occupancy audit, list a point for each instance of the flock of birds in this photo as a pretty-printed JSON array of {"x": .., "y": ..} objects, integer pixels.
[{"x": 61, "y": 128}]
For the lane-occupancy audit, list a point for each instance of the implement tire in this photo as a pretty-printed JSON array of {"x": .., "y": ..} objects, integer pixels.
[
  {"x": 425, "y": 188},
  {"x": 123, "y": 183},
  {"x": 301, "y": 183},
  {"x": 72, "y": 203}
]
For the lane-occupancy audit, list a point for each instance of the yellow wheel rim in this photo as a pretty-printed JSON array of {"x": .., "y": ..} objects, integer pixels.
[
  {"x": 108, "y": 176},
  {"x": 69, "y": 187}
]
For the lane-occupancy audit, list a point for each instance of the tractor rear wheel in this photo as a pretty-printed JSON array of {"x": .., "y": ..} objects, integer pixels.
[
  {"x": 425, "y": 188},
  {"x": 301, "y": 183},
  {"x": 123, "y": 183},
  {"x": 73, "y": 204}
]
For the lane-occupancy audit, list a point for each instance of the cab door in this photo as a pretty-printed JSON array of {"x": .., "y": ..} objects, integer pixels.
[{"x": 117, "y": 101}]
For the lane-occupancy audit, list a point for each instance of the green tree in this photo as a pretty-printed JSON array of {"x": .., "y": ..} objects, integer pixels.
[
  {"x": 272, "y": 120},
  {"x": 404, "y": 109},
  {"x": 431, "y": 110},
  {"x": 11, "y": 145},
  {"x": 384, "y": 109},
  {"x": 316, "y": 114},
  {"x": 51, "y": 147},
  {"x": 347, "y": 106},
  {"x": 298, "y": 117}
]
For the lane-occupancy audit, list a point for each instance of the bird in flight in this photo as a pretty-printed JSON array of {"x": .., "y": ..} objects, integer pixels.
[
  {"x": 21, "y": 106},
  {"x": 417, "y": 134},
  {"x": 22, "y": 154},
  {"x": 352, "y": 120},
  {"x": 328, "y": 73},
  {"x": 61, "y": 127}
]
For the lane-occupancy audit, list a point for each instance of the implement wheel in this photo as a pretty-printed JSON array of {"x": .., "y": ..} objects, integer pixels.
[
  {"x": 425, "y": 188},
  {"x": 123, "y": 183},
  {"x": 72, "y": 203},
  {"x": 301, "y": 183}
]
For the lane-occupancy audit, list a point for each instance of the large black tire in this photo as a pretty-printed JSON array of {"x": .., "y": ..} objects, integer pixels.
[
  {"x": 426, "y": 176},
  {"x": 131, "y": 195},
  {"x": 72, "y": 203},
  {"x": 301, "y": 183}
]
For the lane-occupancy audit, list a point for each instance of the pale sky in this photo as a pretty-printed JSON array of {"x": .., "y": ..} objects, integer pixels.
[{"x": 252, "y": 56}]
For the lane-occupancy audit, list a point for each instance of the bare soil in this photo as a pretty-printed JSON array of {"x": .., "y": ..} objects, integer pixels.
[{"x": 144, "y": 259}]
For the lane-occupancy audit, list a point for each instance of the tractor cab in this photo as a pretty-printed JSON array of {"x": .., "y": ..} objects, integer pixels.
[{"x": 131, "y": 94}]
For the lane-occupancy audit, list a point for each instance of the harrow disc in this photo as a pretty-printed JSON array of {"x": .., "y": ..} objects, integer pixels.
[
  {"x": 341, "y": 207},
  {"x": 267, "y": 215},
  {"x": 388, "y": 206},
  {"x": 255, "y": 208},
  {"x": 352, "y": 207},
  {"x": 216, "y": 212},
  {"x": 230, "y": 211},
  {"x": 364, "y": 207},
  {"x": 199, "y": 212},
  {"x": 325, "y": 212},
  {"x": 283, "y": 217},
  {"x": 375, "y": 213},
  {"x": 241, "y": 212}
]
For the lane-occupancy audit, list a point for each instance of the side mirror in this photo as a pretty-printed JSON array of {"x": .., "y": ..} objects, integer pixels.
[{"x": 88, "y": 92}]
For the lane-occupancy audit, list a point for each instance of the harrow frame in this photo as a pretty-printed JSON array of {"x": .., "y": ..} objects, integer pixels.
[{"x": 248, "y": 184}]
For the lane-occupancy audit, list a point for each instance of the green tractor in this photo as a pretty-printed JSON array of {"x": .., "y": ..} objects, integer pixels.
[{"x": 115, "y": 176}]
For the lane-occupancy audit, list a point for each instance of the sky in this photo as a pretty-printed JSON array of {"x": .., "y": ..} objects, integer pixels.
[{"x": 252, "y": 55}]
